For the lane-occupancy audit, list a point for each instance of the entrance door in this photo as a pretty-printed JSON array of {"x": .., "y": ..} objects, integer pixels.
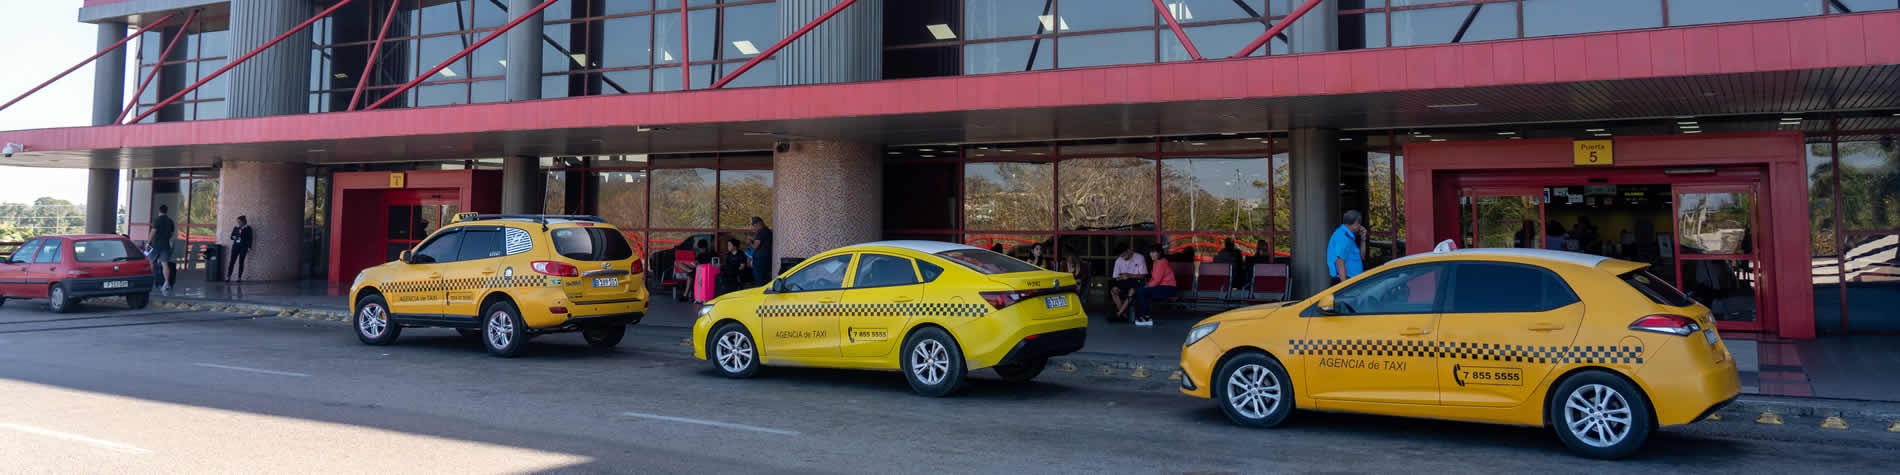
[
  {"x": 1717, "y": 234},
  {"x": 412, "y": 216},
  {"x": 1503, "y": 217}
]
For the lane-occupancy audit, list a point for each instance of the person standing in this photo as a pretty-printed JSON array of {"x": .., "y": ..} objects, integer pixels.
[
  {"x": 240, "y": 248},
  {"x": 1343, "y": 251},
  {"x": 734, "y": 268},
  {"x": 161, "y": 241},
  {"x": 762, "y": 251}
]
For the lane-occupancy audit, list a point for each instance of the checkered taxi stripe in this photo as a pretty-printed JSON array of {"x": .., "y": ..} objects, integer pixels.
[
  {"x": 445, "y": 285},
  {"x": 876, "y": 310},
  {"x": 1471, "y": 351}
]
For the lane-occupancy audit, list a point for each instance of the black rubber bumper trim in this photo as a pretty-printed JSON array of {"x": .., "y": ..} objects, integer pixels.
[
  {"x": 1187, "y": 381},
  {"x": 1056, "y": 343},
  {"x": 1717, "y": 407}
]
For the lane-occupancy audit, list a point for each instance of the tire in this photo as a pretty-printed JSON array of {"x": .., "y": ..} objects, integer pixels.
[
  {"x": 372, "y": 321},
  {"x": 1269, "y": 392},
  {"x": 138, "y": 301},
  {"x": 3, "y": 300},
  {"x": 605, "y": 336},
  {"x": 1021, "y": 372},
  {"x": 58, "y": 300},
  {"x": 732, "y": 352},
  {"x": 503, "y": 332},
  {"x": 932, "y": 363},
  {"x": 1599, "y": 415}
]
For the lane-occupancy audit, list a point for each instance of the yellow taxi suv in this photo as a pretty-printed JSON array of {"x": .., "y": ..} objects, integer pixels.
[
  {"x": 1598, "y": 349},
  {"x": 503, "y": 279},
  {"x": 931, "y": 310}
]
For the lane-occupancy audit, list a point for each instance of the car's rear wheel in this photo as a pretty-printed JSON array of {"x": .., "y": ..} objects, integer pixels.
[
  {"x": 606, "y": 335},
  {"x": 1600, "y": 415},
  {"x": 3, "y": 300},
  {"x": 933, "y": 364},
  {"x": 372, "y": 321},
  {"x": 471, "y": 334},
  {"x": 1021, "y": 372},
  {"x": 1253, "y": 390},
  {"x": 59, "y": 300},
  {"x": 138, "y": 301},
  {"x": 503, "y": 332},
  {"x": 732, "y": 352}
]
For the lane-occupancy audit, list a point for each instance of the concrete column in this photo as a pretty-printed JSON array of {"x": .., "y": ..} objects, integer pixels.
[
  {"x": 521, "y": 185},
  {"x": 847, "y": 48},
  {"x": 1315, "y": 162},
  {"x": 108, "y": 97},
  {"x": 524, "y": 53},
  {"x": 271, "y": 196},
  {"x": 276, "y": 81},
  {"x": 1317, "y": 31},
  {"x": 828, "y": 195}
]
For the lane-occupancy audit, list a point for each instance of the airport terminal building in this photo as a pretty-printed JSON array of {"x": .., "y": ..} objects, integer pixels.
[{"x": 1745, "y": 149}]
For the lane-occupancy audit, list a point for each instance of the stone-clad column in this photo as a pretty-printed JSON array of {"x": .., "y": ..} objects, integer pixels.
[
  {"x": 828, "y": 195},
  {"x": 108, "y": 97},
  {"x": 524, "y": 53},
  {"x": 271, "y": 196},
  {"x": 1315, "y": 162}
]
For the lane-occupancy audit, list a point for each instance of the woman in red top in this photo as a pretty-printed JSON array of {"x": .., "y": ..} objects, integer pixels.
[{"x": 1160, "y": 286}]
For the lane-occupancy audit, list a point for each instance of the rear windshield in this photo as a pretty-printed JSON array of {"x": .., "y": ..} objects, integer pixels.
[
  {"x": 591, "y": 244},
  {"x": 987, "y": 262},
  {"x": 105, "y": 250},
  {"x": 1657, "y": 290}
]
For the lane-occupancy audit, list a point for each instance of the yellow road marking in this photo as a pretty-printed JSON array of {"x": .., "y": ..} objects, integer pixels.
[{"x": 1770, "y": 418}]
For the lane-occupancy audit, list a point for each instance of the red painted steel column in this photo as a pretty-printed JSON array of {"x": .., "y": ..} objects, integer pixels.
[
  {"x": 374, "y": 52},
  {"x": 767, "y": 54},
  {"x": 1262, "y": 40},
  {"x": 686, "y": 51},
  {"x": 247, "y": 56},
  {"x": 458, "y": 56},
  {"x": 167, "y": 53},
  {"x": 1178, "y": 34},
  {"x": 89, "y": 60}
]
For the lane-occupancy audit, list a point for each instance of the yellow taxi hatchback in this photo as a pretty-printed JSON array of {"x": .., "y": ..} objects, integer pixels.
[
  {"x": 505, "y": 279},
  {"x": 1598, "y": 349},
  {"x": 931, "y": 310}
]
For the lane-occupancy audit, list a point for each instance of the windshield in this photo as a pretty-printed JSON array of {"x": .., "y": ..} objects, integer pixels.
[
  {"x": 1657, "y": 290},
  {"x": 104, "y": 250},
  {"x": 591, "y": 244},
  {"x": 987, "y": 262}
]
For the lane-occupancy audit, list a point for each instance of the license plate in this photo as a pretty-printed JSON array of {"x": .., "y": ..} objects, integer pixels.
[
  {"x": 1709, "y": 335},
  {"x": 607, "y": 282},
  {"x": 1055, "y": 301},
  {"x": 116, "y": 284}
]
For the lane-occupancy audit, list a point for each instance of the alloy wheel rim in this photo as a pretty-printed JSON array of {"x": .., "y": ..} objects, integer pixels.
[
  {"x": 930, "y": 362},
  {"x": 1253, "y": 391},
  {"x": 59, "y": 298},
  {"x": 735, "y": 352},
  {"x": 1597, "y": 415},
  {"x": 372, "y": 321},
  {"x": 501, "y": 329}
]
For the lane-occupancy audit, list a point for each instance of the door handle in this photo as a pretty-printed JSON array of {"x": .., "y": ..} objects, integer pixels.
[
  {"x": 827, "y": 300},
  {"x": 902, "y": 299},
  {"x": 1545, "y": 327},
  {"x": 435, "y": 275},
  {"x": 488, "y": 271},
  {"x": 1415, "y": 332}
]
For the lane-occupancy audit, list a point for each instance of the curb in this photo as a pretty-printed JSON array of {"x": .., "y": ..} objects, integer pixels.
[{"x": 253, "y": 309}]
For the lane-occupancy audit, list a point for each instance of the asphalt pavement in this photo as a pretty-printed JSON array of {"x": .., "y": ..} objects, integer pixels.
[{"x": 150, "y": 391}]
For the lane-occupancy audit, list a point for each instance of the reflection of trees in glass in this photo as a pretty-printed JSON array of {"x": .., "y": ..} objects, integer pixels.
[
  {"x": 1007, "y": 196},
  {"x": 1821, "y": 198},
  {"x": 1501, "y": 219},
  {"x": 683, "y": 198},
  {"x": 1716, "y": 223},
  {"x": 1870, "y": 185},
  {"x": 1107, "y": 193},
  {"x": 554, "y": 193},
  {"x": 622, "y": 198},
  {"x": 1201, "y": 194},
  {"x": 742, "y": 195},
  {"x": 1282, "y": 198},
  {"x": 204, "y": 211},
  {"x": 316, "y": 203}
]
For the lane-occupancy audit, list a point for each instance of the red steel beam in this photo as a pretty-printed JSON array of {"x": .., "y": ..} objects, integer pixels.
[
  {"x": 374, "y": 52},
  {"x": 247, "y": 57},
  {"x": 167, "y": 53},
  {"x": 781, "y": 43},
  {"x": 686, "y": 52},
  {"x": 1178, "y": 34},
  {"x": 1262, "y": 40},
  {"x": 95, "y": 56},
  {"x": 458, "y": 56}
]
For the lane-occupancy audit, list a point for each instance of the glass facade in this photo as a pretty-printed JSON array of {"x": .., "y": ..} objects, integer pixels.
[
  {"x": 1854, "y": 217},
  {"x": 663, "y": 202},
  {"x": 203, "y": 49}
]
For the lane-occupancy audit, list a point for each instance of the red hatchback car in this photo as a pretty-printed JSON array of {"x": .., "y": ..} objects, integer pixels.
[{"x": 65, "y": 269}]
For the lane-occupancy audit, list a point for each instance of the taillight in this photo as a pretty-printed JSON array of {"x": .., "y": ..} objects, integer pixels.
[
  {"x": 1005, "y": 298},
  {"x": 78, "y": 274},
  {"x": 557, "y": 269},
  {"x": 1671, "y": 324},
  {"x": 638, "y": 267}
]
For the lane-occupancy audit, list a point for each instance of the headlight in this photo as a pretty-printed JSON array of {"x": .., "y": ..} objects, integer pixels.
[
  {"x": 1197, "y": 333},
  {"x": 705, "y": 310}
]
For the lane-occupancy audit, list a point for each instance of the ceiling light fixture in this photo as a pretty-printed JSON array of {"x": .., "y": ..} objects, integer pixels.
[
  {"x": 1592, "y": 130},
  {"x": 1602, "y": 135},
  {"x": 1438, "y": 140},
  {"x": 1691, "y": 131},
  {"x": 1450, "y": 106},
  {"x": 893, "y": 153},
  {"x": 926, "y": 150},
  {"x": 1686, "y": 122},
  {"x": 1517, "y": 138},
  {"x": 1422, "y": 136},
  {"x": 1345, "y": 139},
  {"x": 1507, "y": 133},
  {"x": 504, "y": 62},
  {"x": 1791, "y": 118},
  {"x": 941, "y": 31},
  {"x": 745, "y": 47},
  {"x": 1049, "y": 22},
  {"x": 579, "y": 58},
  {"x": 1230, "y": 133},
  {"x": 1691, "y": 126},
  {"x": 1007, "y": 150},
  {"x": 341, "y": 76},
  {"x": 448, "y": 72},
  {"x": 1197, "y": 144}
]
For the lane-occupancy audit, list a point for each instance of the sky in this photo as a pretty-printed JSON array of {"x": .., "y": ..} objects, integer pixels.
[{"x": 42, "y": 38}]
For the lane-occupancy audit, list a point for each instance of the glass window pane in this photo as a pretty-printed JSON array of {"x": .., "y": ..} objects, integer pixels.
[
  {"x": 744, "y": 194},
  {"x": 445, "y": 17},
  {"x": 668, "y": 79},
  {"x": 763, "y": 74},
  {"x": 1406, "y": 290},
  {"x": 1697, "y": 12},
  {"x": 749, "y": 30},
  {"x": 683, "y": 198},
  {"x": 827, "y": 274},
  {"x": 1085, "y": 15},
  {"x": 1503, "y": 288},
  {"x": 634, "y": 81},
  {"x": 614, "y": 7},
  {"x": 438, "y": 49},
  {"x": 666, "y": 36},
  {"x": 621, "y": 198},
  {"x": 1214, "y": 194},
  {"x": 552, "y": 58},
  {"x": 984, "y": 19},
  {"x": 441, "y": 95},
  {"x": 1821, "y": 224},
  {"x": 1872, "y": 278},
  {"x": 1189, "y": 11},
  {"x": 209, "y": 110},
  {"x": 216, "y": 88},
  {"x": 1857, "y": 6},
  {"x": 554, "y": 192},
  {"x": 1008, "y": 196},
  {"x": 1213, "y": 41},
  {"x": 491, "y": 59},
  {"x": 1115, "y": 194},
  {"x": 626, "y": 42},
  {"x": 879, "y": 270},
  {"x": 1441, "y": 25},
  {"x": 494, "y": 13},
  {"x": 1282, "y": 193},
  {"x": 1375, "y": 30},
  {"x": 1716, "y": 223},
  {"x": 1009, "y": 56},
  {"x": 484, "y": 91},
  {"x": 204, "y": 203},
  {"x": 212, "y": 44},
  {"x": 1132, "y": 47},
  {"x": 1379, "y": 197},
  {"x": 1870, "y": 185},
  {"x": 1564, "y": 17}
]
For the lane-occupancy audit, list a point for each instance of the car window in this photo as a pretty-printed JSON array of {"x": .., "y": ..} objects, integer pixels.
[
  {"x": 827, "y": 274},
  {"x": 929, "y": 271},
  {"x": 104, "y": 250},
  {"x": 1409, "y": 289},
  {"x": 49, "y": 252},
  {"x": 25, "y": 253},
  {"x": 878, "y": 270},
  {"x": 441, "y": 248},
  {"x": 987, "y": 262},
  {"x": 1497, "y": 287},
  {"x": 591, "y": 244},
  {"x": 480, "y": 244},
  {"x": 1654, "y": 288}
]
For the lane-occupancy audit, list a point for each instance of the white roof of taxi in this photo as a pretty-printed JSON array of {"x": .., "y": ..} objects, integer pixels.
[
  {"x": 1578, "y": 258},
  {"x": 926, "y": 247}
]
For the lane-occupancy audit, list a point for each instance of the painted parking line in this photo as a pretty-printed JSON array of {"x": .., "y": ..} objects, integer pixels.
[
  {"x": 252, "y": 370},
  {"x": 70, "y": 437},
  {"x": 703, "y": 422}
]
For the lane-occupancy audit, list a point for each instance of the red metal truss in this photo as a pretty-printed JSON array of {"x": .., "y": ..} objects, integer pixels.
[
  {"x": 781, "y": 43},
  {"x": 686, "y": 51},
  {"x": 89, "y": 60},
  {"x": 464, "y": 53},
  {"x": 167, "y": 53},
  {"x": 1178, "y": 34},
  {"x": 247, "y": 56},
  {"x": 374, "y": 52},
  {"x": 1275, "y": 30}
]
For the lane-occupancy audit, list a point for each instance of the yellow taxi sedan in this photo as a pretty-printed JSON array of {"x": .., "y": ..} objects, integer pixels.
[
  {"x": 932, "y": 310},
  {"x": 1598, "y": 349}
]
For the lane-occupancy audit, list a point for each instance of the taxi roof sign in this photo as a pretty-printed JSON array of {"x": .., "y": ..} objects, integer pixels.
[{"x": 460, "y": 217}]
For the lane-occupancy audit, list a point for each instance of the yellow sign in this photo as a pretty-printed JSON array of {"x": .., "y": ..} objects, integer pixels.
[
  {"x": 395, "y": 180},
  {"x": 1592, "y": 152}
]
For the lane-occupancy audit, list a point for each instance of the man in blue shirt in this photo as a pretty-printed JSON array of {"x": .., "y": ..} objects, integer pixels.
[{"x": 1343, "y": 251}]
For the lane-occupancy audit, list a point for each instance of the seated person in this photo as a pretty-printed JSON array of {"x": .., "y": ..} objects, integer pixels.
[
  {"x": 1130, "y": 269},
  {"x": 1160, "y": 285}
]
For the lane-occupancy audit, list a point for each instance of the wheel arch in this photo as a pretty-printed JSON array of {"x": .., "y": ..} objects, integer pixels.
[
  {"x": 1231, "y": 353},
  {"x": 366, "y": 291},
  {"x": 713, "y": 329},
  {"x": 1550, "y": 392},
  {"x": 491, "y": 298}
]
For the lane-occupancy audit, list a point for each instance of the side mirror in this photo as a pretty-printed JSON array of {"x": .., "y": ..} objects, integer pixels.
[
  {"x": 777, "y": 287},
  {"x": 1326, "y": 306},
  {"x": 404, "y": 257}
]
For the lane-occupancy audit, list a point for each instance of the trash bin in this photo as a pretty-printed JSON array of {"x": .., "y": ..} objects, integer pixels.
[{"x": 213, "y": 255}]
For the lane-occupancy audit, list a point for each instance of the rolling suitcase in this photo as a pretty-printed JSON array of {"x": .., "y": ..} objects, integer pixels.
[{"x": 705, "y": 282}]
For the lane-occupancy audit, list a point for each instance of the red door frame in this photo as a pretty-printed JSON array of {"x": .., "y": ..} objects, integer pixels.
[
  {"x": 357, "y": 205},
  {"x": 1763, "y": 320},
  {"x": 1775, "y": 160}
]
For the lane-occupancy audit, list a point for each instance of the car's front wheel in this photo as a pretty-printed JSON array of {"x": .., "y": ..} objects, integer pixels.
[
  {"x": 606, "y": 335},
  {"x": 503, "y": 332},
  {"x": 732, "y": 352},
  {"x": 1021, "y": 372},
  {"x": 372, "y": 321},
  {"x": 59, "y": 300},
  {"x": 1253, "y": 390},
  {"x": 1599, "y": 415},
  {"x": 933, "y": 364}
]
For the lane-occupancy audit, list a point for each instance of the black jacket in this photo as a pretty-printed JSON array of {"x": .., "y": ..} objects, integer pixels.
[{"x": 241, "y": 238}]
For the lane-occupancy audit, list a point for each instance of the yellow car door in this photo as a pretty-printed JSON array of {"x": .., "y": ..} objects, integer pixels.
[
  {"x": 1508, "y": 325},
  {"x": 1376, "y": 343},
  {"x": 884, "y": 293},
  {"x": 420, "y": 290},
  {"x": 474, "y": 271},
  {"x": 801, "y": 310}
]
